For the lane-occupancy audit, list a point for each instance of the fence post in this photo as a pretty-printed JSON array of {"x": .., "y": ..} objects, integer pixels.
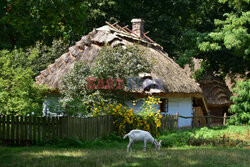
[
  {"x": 208, "y": 118},
  {"x": 34, "y": 123},
  {"x": 12, "y": 129},
  {"x": 8, "y": 130},
  {"x": 65, "y": 128},
  {"x": 224, "y": 118},
  {"x": 1, "y": 128},
  {"x": 17, "y": 130},
  {"x": 44, "y": 128},
  {"x": 26, "y": 130},
  {"x": 30, "y": 129},
  {"x": 177, "y": 120},
  {"x": 193, "y": 124}
]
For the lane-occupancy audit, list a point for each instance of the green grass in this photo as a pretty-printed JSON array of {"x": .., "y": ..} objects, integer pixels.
[
  {"x": 112, "y": 151},
  {"x": 223, "y": 135},
  {"x": 180, "y": 156}
]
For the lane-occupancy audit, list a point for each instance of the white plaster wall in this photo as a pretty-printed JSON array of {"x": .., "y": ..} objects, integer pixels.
[{"x": 182, "y": 105}]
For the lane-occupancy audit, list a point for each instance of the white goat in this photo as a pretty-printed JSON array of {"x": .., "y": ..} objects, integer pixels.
[{"x": 141, "y": 135}]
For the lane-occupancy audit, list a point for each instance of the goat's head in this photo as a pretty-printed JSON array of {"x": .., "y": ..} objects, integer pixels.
[{"x": 158, "y": 145}]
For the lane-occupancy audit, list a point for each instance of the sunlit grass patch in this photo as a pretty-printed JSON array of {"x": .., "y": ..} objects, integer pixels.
[
  {"x": 176, "y": 156},
  {"x": 53, "y": 153}
]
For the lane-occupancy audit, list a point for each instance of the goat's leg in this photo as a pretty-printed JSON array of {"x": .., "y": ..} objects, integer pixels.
[
  {"x": 145, "y": 145},
  {"x": 129, "y": 145}
]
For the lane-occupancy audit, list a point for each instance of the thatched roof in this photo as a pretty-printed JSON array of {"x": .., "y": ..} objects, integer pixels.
[
  {"x": 174, "y": 78},
  {"x": 215, "y": 91}
]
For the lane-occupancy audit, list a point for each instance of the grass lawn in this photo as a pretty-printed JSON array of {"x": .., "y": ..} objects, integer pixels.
[
  {"x": 177, "y": 156},
  {"x": 112, "y": 151}
]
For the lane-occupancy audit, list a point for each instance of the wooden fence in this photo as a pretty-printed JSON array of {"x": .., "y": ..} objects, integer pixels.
[
  {"x": 207, "y": 118},
  {"x": 31, "y": 130},
  {"x": 169, "y": 122},
  {"x": 21, "y": 130}
]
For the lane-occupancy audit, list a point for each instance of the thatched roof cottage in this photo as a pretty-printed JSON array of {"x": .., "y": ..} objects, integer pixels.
[
  {"x": 179, "y": 92},
  {"x": 217, "y": 95},
  {"x": 215, "y": 91}
]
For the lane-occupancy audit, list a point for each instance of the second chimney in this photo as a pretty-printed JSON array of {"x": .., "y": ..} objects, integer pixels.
[{"x": 138, "y": 27}]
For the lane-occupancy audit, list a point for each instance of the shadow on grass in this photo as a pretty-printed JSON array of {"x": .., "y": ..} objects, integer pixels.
[{"x": 44, "y": 156}]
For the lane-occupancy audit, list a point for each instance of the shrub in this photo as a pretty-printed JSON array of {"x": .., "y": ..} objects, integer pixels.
[
  {"x": 216, "y": 136},
  {"x": 124, "y": 118},
  {"x": 18, "y": 93},
  {"x": 241, "y": 106}
]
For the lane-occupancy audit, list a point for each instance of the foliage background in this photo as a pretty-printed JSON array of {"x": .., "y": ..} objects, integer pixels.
[
  {"x": 18, "y": 94},
  {"x": 216, "y": 31},
  {"x": 241, "y": 106}
]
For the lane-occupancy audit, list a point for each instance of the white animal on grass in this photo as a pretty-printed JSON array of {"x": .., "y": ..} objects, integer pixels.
[{"x": 141, "y": 135}]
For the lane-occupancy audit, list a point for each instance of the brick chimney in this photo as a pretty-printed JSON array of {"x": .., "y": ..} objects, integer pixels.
[{"x": 138, "y": 27}]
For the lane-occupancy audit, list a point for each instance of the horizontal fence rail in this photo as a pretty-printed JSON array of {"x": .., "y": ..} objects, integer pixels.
[
  {"x": 209, "y": 118},
  {"x": 21, "y": 130}
]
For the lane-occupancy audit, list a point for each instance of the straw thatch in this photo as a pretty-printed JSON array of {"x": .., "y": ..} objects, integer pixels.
[
  {"x": 174, "y": 78},
  {"x": 216, "y": 92}
]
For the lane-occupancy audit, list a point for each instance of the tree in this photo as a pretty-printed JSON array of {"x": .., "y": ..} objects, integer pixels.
[
  {"x": 45, "y": 55},
  {"x": 241, "y": 106},
  {"x": 226, "y": 48},
  {"x": 25, "y": 22},
  {"x": 112, "y": 63},
  {"x": 171, "y": 23},
  {"x": 18, "y": 94}
]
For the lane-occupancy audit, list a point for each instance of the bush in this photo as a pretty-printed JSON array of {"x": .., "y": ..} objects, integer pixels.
[
  {"x": 124, "y": 118},
  {"x": 217, "y": 136},
  {"x": 241, "y": 106},
  {"x": 175, "y": 138},
  {"x": 18, "y": 93}
]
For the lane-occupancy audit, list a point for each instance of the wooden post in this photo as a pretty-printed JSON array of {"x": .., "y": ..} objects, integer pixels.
[
  {"x": 4, "y": 127},
  {"x": 26, "y": 130},
  {"x": 8, "y": 130},
  {"x": 48, "y": 128},
  {"x": 53, "y": 128},
  {"x": 43, "y": 125},
  {"x": 12, "y": 129},
  {"x": 30, "y": 129},
  {"x": 38, "y": 129},
  {"x": 34, "y": 123},
  {"x": 1, "y": 127},
  {"x": 224, "y": 118},
  {"x": 21, "y": 130},
  {"x": 177, "y": 120},
  {"x": 208, "y": 118},
  {"x": 17, "y": 130},
  {"x": 61, "y": 127},
  {"x": 57, "y": 127},
  {"x": 194, "y": 118},
  {"x": 85, "y": 128}
]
